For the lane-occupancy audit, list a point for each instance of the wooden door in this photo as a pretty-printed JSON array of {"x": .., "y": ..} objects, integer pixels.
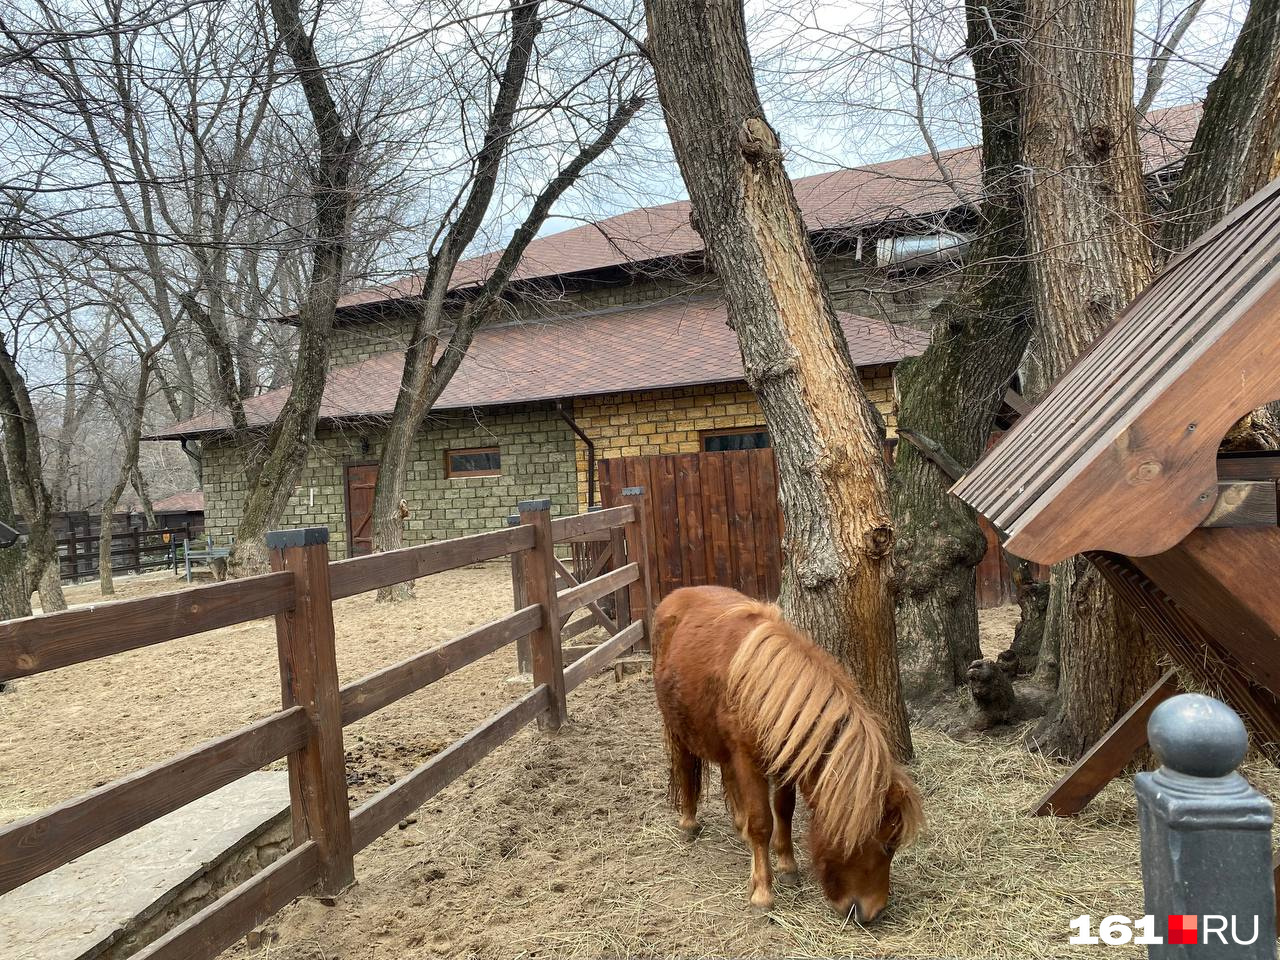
[
  {"x": 713, "y": 517},
  {"x": 361, "y": 479}
]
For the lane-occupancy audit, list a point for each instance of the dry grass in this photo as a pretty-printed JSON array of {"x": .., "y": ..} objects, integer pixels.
[{"x": 562, "y": 845}]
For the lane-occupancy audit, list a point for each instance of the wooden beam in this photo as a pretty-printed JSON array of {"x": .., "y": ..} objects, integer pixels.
[
  {"x": 34, "y": 645},
  {"x": 377, "y": 690},
  {"x": 1243, "y": 503},
  {"x": 601, "y": 656},
  {"x": 309, "y": 679},
  {"x": 592, "y": 590},
  {"x": 377, "y": 570},
  {"x": 384, "y": 811},
  {"x": 1109, "y": 756},
  {"x": 540, "y": 590},
  {"x": 934, "y": 452},
  {"x": 1017, "y": 402},
  {"x": 636, "y": 534},
  {"x": 1225, "y": 576},
  {"x": 583, "y": 524},
  {"x": 597, "y": 614},
  {"x": 32, "y": 847},
  {"x": 231, "y": 916}
]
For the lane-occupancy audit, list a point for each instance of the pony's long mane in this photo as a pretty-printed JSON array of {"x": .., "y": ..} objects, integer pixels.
[{"x": 814, "y": 727}]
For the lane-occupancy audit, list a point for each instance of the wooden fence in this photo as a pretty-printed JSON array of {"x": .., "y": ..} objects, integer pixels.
[
  {"x": 299, "y": 593},
  {"x": 715, "y": 518},
  {"x": 132, "y": 551}
]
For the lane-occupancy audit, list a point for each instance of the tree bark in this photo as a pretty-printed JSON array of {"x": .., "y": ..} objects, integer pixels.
[
  {"x": 426, "y": 376},
  {"x": 294, "y": 429},
  {"x": 15, "y": 592},
  {"x": 128, "y": 470},
  {"x": 951, "y": 392},
  {"x": 26, "y": 476},
  {"x": 1090, "y": 247},
  {"x": 833, "y": 483}
]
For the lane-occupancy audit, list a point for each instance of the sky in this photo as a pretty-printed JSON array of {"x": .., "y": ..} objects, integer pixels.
[{"x": 837, "y": 82}]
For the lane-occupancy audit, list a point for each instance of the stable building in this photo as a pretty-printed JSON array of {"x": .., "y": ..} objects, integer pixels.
[{"x": 612, "y": 341}]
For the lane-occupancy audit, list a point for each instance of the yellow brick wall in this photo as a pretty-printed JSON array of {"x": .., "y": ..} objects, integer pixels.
[{"x": 672, "y": 421}]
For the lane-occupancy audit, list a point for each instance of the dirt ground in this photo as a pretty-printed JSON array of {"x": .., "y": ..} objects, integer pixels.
[{"x": 562, "y": 845}]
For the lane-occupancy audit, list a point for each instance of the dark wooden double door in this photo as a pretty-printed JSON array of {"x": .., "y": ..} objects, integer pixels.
[{"x": 361, "y": 480}]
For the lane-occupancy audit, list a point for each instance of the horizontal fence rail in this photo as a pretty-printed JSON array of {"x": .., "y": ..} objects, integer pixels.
[
  {"x": 397, "y": 801},
  {"x": 593, "y": 590},
  {"x": 308, "y": 730},
  {"x": 49, "y": 641},
  {"x": 44, "y": 842},
  {"x": 377, "y": 570},
  {"x": 377, "y": 690},
  {"x": 229, "y": 918},
  {"x": 583, "y": 524}
]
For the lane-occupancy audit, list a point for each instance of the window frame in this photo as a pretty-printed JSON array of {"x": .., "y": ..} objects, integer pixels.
[
  {"x": 705, "y": 435},
  {"x": 451, "y": 474}
]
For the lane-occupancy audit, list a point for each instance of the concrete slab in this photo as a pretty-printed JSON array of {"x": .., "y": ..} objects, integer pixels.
[{"x": 79, "y": 910}]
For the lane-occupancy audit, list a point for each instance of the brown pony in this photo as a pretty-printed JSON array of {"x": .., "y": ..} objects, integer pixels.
[{"x": 740, "y": 687}]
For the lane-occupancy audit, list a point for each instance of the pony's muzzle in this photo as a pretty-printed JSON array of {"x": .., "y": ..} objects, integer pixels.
[{"x": 862, "y": 911}]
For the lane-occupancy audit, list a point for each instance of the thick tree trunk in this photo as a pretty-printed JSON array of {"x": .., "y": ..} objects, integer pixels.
[
  {"x": 51, "y": 597},
  {"x": 15, "y": 591},
  {"x": 27, "y": 485},
  {"x": 833, "y": 484},
  {"x": 951, "y": 393},
  {"x": 1090, "y": 255},
  {"x": 294, "y": 428}
]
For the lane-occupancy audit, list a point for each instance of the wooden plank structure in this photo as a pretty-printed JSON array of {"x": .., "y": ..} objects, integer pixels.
[
  {"x": 715, "y": 518},
  {"x": 299, "y": 593},
  {"x": 712, "y": 518},
  {"x": 1120, "y": 462}
]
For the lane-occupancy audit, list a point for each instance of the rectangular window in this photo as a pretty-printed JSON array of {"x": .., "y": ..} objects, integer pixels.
[
  {"x": 475, "y": 462},
  {"x": 744, "y": 438}
]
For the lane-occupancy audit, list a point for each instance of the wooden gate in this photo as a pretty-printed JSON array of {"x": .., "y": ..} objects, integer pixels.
[
  {"x": 713, "y": 518},
  {"x": 361, "y": 478}
]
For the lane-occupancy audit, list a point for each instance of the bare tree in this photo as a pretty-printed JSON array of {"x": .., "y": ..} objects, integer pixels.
[
  {"x": 436, "y": 347},
  {"x": 832, "y": 477},
  {"x": 15, "y": 595},
  {"x": 23, "y": 454},
  {"x": 331, "y": 192}
]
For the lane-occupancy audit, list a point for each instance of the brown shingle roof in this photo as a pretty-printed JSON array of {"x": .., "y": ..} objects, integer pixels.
[
  {"x": 670, "y": 344},
  {"x": 842, "y": 199},
  {"x": 190, "y": 501}
]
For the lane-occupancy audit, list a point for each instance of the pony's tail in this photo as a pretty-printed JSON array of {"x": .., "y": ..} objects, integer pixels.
[{"x": 687, "y": 776}]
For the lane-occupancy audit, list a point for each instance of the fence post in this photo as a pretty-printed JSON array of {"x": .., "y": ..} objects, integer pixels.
[
  {"x": 524, "y": 662},
  {"x": 71, "y": 556},
  {"x": 636, "y": 533},
  {"x": 309, "y": 677},
  {"x": 1206, "y": 837},
  {"x": 137, "y": 551},
  {"x": 540, "y": 588},
  {"x": 621, "y": 596}
]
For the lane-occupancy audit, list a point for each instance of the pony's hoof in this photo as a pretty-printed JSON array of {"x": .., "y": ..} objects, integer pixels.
[
  {"x": 690, "y": 832},
  {"x": 787, "y": 878},
  {"x": 761, "y": 906}
]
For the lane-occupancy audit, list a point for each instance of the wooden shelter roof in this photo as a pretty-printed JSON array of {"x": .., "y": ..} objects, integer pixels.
[{"x": 1120, "y": 454}]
